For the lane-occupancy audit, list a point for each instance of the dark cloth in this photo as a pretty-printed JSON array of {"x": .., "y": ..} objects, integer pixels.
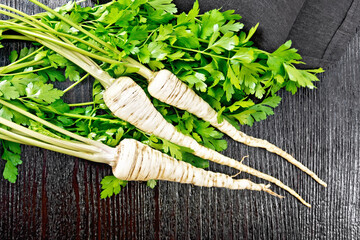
[{"x": 319, "y": 29}]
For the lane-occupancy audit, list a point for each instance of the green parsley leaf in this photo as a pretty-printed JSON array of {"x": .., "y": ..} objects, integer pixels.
[
  {"x": 151, "y": 183},
  {"x": 110, "y": 185},
  {"x": 57, "y": 60},
  {"x": 72, "y": 73},
  {"x": 228, "y": 42},
  {"x": 196, "y": 79},
  {"x": 242, "y": 103},
  {"x": 165, "y": 5},
  {"x": 8, "y": 91},
  {"x": 10, "y": 172},
  {"x": 53, "y": 74},
  {"x": 13, "y": 56},
  {"x": 6, "y": 113},
  {"x": 43, "y": 92},
  {"x": 211, "y": 21},
  {"x": 11, "y": 155}
]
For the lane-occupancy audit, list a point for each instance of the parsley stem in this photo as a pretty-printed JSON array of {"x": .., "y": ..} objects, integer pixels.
[
  {"x": 77, "y": 116},
  {"x": 76, "y": 83},
  {"x": 7, "y": 138},
  {"x": 20, "y": 73},
  {"x": 13, "y": 68},
  {"x": 147, "y": 39},
  {"x": 38, "y": 143},
  {"x": 20, "y": 130},
  {"x": 26, "y": 18},
  {"x": 202, "y": 52},
  {"x": 15, "y": 37},
  {"x": 114, "y": 121},
  {"x": 81, "y": 104},
  {"x": 40, "y": 37},
  {"x": 143, "y": 71},
  {"x": 51, "y": 38},
  {"x": 19, "y": 26},
  {"x": 76, "y": 26},
  {"x": 26, "y": 57},
  {"x": 50, "y": 125}
]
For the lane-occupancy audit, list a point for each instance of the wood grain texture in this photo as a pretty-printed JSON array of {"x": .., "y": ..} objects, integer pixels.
[{"x": 57, "y": 196}]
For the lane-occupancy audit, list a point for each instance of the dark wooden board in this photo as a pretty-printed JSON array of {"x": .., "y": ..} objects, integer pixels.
[{"x": 57, "y": 196}]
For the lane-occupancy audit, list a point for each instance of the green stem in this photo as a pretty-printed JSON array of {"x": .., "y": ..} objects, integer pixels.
[
  {"x": 33, "y": 21},
  {"x": 17, "y": 17},
  {"x": 51, "y": 140},
  {"x": 19, "y": 26},
  {"x": 76, "y": 83},
  {"x": 7, "y": 138},
  {"x": 26, "y": 57},
  {"x": 81, "y": 104},
  {"x": 20, "y": 73},
  {"x": 44, "y": 14},
  {"x": 21, "y": 65},
  {"x": 48, "y": 37},
  {"x": 84, "y": 62},
  {"x": 37, "y": 37},
  {"x": 37, "y": 143},
  {"x": 76, "y": 26},
  {"x": 143, "y": 71},
  {"x": 15, "y": 37},
  {"x": 77, "y": 116},
  {"x": 95, "y": 118},
  {"x": 52, "y": 126},
  {"x": 202, "y": 52}
]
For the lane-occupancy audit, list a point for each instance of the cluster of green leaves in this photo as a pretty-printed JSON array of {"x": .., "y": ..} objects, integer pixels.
[
  {"x": 23, "y": 85},
  {"x": 215, "y": 57},
  {"x": 210, "y": 52}
]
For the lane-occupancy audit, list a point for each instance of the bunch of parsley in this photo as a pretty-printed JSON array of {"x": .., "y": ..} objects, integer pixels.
[{"x": 210, "y": 52}]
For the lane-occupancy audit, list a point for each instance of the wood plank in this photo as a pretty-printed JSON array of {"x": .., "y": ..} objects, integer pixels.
[{"x": 58, "y": 197}]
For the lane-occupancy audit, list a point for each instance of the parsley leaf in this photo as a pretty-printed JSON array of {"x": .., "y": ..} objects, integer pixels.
[
  {"x": 165, "y": 5},
  {"x": 8, "y": 91},
  {"x": 110, "y": 185},
  {"x": 44, "y": 92},
  {"x": 151, "y": 183},
  {"x": 11, "y": 154}
]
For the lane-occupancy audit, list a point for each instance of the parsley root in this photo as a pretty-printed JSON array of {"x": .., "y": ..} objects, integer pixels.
[
  {"x": 137, "y": 161},
  {"x": 166, "y": 87},
  {"x": 130, "y": 160}
]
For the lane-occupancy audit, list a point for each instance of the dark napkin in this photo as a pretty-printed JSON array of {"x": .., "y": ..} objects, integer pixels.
[{"x": 319, "y": 29}]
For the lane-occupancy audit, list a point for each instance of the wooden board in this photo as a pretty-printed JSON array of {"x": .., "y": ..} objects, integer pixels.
[{"x": 57, "y": 196}]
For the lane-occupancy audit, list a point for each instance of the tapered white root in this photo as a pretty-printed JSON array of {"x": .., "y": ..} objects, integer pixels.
[
  {"x": 138, "y": 162},
  {"x": 129, "y": 102},
  {"x": 166, "y": 87}
]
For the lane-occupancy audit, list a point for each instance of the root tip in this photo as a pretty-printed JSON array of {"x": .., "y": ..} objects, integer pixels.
[{"x": 266, "y": 188}]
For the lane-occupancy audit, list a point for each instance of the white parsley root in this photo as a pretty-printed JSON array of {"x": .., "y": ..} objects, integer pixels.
[
  {"x": 136, "y": 161},
  {"x": 130, "y": 160},
  {"x": 167, "y": 88}
]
